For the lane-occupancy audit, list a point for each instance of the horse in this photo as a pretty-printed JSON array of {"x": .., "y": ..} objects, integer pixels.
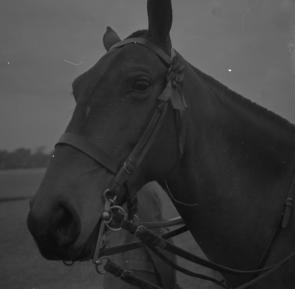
[{"x": 227, "y": 163}]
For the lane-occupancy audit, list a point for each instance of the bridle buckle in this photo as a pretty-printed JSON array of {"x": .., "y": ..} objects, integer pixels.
[
  {"x": 100, "y": 264},
  {"x": 117, "y": 216},
  {"x": 110, "y": 196}
]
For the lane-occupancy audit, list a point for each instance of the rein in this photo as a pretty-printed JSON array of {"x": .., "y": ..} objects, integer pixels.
[{"x": 115, "y": 217}]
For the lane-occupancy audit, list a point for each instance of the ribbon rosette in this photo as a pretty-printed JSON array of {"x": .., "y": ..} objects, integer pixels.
[{"x": 175, "y": 77}]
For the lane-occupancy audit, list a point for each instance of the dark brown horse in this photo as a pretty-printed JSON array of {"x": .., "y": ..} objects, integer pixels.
[{"x": 230, "y": 179}]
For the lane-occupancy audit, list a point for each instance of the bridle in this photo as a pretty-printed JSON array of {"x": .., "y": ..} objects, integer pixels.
[
  {"x": 115, "y": 217},
  {"x": 123, "y": 172}
]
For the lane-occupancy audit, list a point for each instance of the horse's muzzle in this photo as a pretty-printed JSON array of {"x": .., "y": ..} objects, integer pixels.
[{"x": 54, "y": 230}]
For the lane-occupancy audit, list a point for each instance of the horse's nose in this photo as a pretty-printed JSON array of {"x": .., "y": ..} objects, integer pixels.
[{"x": 54, "y": 229}]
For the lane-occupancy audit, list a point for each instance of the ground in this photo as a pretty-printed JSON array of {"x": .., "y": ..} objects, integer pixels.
[{"x": 22, "y": 267}]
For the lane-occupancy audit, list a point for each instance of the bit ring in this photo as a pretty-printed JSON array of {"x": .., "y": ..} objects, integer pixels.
[
  {"x": 99, "y": 265},
  {"x": 116, "y": 210}
]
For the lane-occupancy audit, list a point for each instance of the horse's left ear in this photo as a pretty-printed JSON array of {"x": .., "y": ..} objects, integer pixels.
[
  {"x": 160, "y": 22},
  {"x": 110, "y": 38}
]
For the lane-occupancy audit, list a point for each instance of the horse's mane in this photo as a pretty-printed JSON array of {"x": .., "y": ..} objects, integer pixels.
[{"x": 226, "y": 94}]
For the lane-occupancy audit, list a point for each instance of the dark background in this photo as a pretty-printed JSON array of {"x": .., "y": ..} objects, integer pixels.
[{"x": 247, "y": 44}]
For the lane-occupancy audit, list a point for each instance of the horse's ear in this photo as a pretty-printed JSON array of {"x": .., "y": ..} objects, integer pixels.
[
  {"x": 110, "y": 38},
  {"x": 160, "y": 22}
]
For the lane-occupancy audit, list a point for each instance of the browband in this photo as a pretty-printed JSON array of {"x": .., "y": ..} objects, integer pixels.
[{"x": 144, "y": 42}]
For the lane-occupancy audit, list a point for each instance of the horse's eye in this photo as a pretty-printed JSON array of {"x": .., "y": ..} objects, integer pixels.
[{"x": 141, "y": 84}]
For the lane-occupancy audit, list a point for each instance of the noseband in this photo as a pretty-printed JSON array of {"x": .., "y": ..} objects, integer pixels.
[{"x": 170, "y": 94}]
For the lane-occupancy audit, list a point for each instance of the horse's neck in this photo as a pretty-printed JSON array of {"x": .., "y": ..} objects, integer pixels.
[{"x": 237, "y": 169}]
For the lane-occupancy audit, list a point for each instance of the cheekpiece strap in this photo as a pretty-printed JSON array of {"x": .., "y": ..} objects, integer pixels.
[{"x": 174, "y": 86}]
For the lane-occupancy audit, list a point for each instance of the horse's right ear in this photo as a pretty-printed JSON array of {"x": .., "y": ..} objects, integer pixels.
[
  {"x": 160, "y": 22},
  {"x": 110, "y": 38}
]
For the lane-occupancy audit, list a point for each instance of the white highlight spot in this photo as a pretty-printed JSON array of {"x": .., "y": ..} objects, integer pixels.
[
  {"x": 73, "y": 63},
  {"x": 8, "y": 62},
  {"x": 291, "y": 47},
  {"x": 229, "y": 70}
]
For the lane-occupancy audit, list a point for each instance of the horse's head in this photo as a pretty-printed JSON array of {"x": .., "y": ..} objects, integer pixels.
[{"x": 116, "y": 100}]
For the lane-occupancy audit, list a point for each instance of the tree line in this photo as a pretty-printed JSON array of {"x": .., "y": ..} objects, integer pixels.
[{"x": 23, "y": 158}]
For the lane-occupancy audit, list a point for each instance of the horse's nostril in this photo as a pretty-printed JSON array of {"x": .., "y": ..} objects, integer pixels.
[
  {"x": 54, "y": 227},
  {"x": 65, "y": 226}
]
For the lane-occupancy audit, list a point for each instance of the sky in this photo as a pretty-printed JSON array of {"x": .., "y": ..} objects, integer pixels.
[{"x": 249, "y": 45}]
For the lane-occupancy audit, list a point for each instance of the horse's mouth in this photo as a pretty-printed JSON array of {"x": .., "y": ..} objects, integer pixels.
[{"x": 86, "y": 252}]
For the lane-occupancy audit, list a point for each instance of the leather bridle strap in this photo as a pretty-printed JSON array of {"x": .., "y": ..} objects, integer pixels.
[
  {"x": 141, "y": 148},
  {"x": 137, "y": 244},
  {"x": 151, "y": 240},
  {"x": 93, "y": 151},
  {"x": 128, "y": 276},
  {"x": 123, "y": 172},
  {"x": 133, "y": 160},
  {"x": 155, "y": 243},
  {"x": 144, "y": 42},
  {"x": 148, "y": 137}
]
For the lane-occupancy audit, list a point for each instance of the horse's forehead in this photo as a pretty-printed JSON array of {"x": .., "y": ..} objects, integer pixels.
[
  {"x": 132, "y": 54},
  {"x": 130, "y": 57}
]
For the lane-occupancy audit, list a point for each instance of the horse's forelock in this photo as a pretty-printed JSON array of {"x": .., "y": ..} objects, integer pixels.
[
  {"x": 139, "y": 33},
  {"x": 145, "y": 34}
]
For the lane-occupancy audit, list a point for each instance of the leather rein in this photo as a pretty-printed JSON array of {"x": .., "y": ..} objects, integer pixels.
[{"x": 115, "y": 217}]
